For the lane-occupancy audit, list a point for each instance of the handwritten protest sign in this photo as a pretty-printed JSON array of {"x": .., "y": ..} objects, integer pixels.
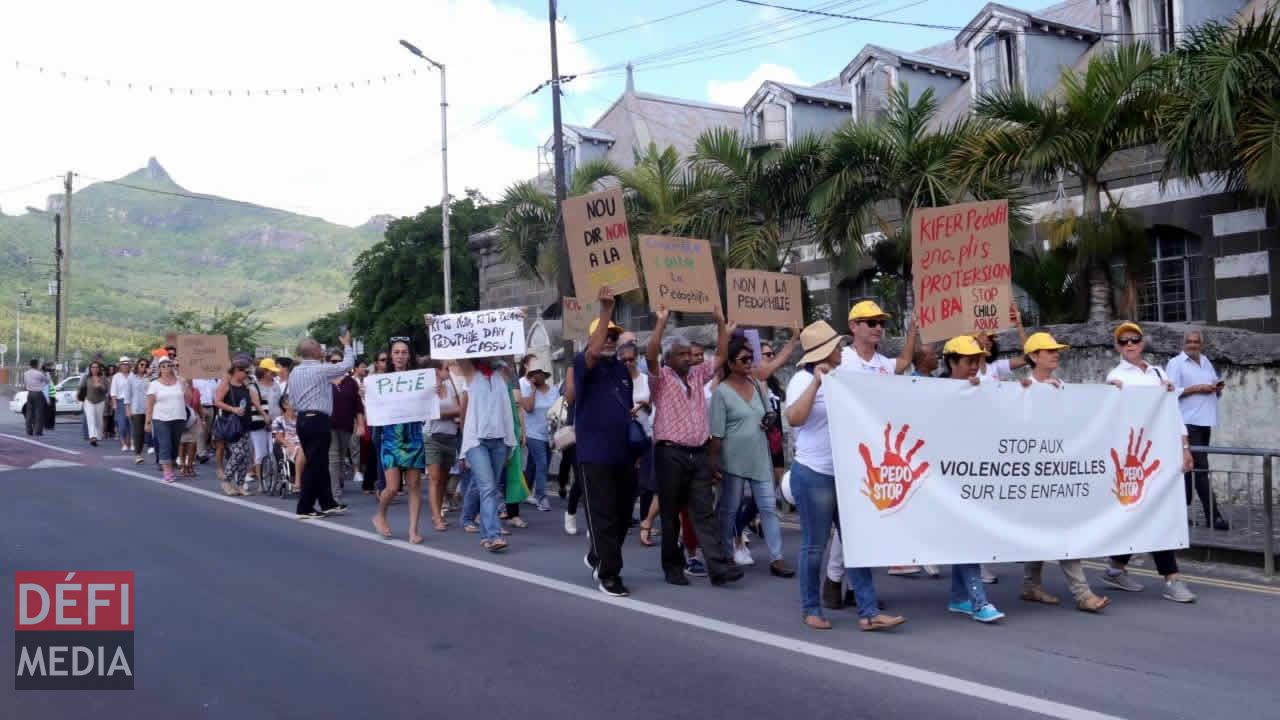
[
  {"x": 203, "y": 356},
  {"x": 763, "y": 299},
  {"x": 483, "y": 333},
  {"x": 595, "y": 228},
  {"x": 578, "y": 315},
  {"x": 960, "y": 268},
  {"x": 679, "y": 273},
  {"x": 401, "y": 397}
]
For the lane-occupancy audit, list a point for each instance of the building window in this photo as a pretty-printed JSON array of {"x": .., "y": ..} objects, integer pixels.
[
  {"x": 1173, "y": 290},
  {"x": 1162, "y": 28},
  {"x": 1149, "y": 21},
  {"x": 771, "y": 124},
  {"x": 995, "y": 63},
  {"x": 873, "y": 94}
]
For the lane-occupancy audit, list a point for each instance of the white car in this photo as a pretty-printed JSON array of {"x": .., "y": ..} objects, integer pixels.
[{"x": 64, "y": 393}]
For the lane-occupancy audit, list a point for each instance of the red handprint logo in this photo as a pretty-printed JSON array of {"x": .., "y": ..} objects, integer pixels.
[
  {"x": 889, "y": 484},
  {"x": 1132, "y": 474}
]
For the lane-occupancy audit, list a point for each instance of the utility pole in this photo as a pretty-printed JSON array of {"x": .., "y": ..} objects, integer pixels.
[
  {"x": 564, "y": 278},
  {"x": 444, "y": 171},
  {"x": 57, "y": 287},
  {"x": 64, "y": 258}
]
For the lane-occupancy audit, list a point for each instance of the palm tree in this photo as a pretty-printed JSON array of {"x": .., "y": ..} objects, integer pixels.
[
  {"x": 753, "y": 198},
  {"x": 1110, "y": 107},
  {"x": 1223, "y": 113},
  {"x": 875, "y": 175},
  {"x": 529, "y": 215}
]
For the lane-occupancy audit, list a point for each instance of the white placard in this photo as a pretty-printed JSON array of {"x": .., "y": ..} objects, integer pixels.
[
  {"x": 483, "y": 333},
  {"x": 932, "y": 471},
  {"x": 392, "y": 398}
]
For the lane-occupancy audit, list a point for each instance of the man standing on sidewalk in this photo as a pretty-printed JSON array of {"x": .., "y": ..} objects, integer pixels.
[
  {"x": 1199, "y": 385},
  {"x": 312, "y": 396},
  {"x": 36, "y": 383},
  {"x": 681, "y": 431}
]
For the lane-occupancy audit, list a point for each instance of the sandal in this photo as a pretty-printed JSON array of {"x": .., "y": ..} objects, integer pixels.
[
  {"x": 494, "y": 546},
  {"x": 471, "y": 528},
  {"x": 646, "y": 535},
  {"x": 440, "y": 525},
  {"x": 1093, "y": 603},
  {"x": 503, "y": 531},
  {"x": 880, "y": 622},
  {"x": 519, "y": 522},
  {"x": 1038, "y": 594},
  {"x": 817, "y": 623}
]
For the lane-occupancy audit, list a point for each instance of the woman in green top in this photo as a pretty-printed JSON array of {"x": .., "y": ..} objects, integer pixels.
[{"x": 740, "y": 452}]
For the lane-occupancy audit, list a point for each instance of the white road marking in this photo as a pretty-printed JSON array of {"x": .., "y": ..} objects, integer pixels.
[
  {"x": 54, "y": 463},
  {"x": 29, "y": 441},
  {"x": 900, "y": 671}
]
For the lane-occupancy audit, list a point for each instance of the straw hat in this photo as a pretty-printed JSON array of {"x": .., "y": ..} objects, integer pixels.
[{"x": 817, "y": 341}]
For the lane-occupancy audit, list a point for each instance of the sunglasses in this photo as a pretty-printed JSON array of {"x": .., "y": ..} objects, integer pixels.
[
  {"x": 872, "y": 323},
  {"x": 334, "y": 361},
  {"x": 400, "y": 338},
  {"x": 1130, "y": 340},
  {"x": 744, "y": 360}
]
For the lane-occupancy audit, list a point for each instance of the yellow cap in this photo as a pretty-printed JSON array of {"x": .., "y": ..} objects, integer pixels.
[
  {"x": 596, "y": 323},
  {"x": 269, "y": 365},
  {"x": 867, "y": 310},
  {"x": 1042, "y": 341},
  {"x": 963, "y": 345},
  {"x": 1127, "y": 326}
]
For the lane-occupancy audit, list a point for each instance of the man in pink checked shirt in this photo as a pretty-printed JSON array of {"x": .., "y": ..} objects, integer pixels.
[{"x": 681, "y": 431}]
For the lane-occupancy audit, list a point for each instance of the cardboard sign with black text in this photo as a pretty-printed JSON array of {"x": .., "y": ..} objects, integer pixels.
[
  {"x": 679, "y": 273},
  {"x": 960, "y": 268},
  {"x": 203, "y": 356},
  {"x": 578, "y": 315},
  {"x": 595, "y": 229},
  {"x": 763, "y": 299}
]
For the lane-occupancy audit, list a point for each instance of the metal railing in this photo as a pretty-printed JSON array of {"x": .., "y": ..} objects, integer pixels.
[{"x": 1253, "y": 500}]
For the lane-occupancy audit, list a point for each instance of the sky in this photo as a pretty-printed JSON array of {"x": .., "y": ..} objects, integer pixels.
[{"x": 349, "y": 153}]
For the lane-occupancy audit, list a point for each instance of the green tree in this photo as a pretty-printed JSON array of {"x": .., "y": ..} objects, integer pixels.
[
  {"x": 1222, "y": 117},
  {"x": 325, "y": 328},
  {"x": 1112, "y": 106},
  {"x": 399, "y": 279}
]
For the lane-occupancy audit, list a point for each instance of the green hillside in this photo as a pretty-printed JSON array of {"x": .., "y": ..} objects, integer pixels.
[{"x": 138, "y": 255}]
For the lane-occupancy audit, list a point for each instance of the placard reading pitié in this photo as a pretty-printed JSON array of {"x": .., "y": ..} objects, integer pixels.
[
  {"x": 483, "y": 333},
  {"x": 763, "y": 299},
  {"x": 960, "y": 268},
  {"x": 595, "y": 229},
  {"x": 679, "y": 273}
]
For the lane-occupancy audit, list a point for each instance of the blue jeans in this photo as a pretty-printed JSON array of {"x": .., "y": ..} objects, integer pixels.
[
  {"x": 488, "y": 463},
  {"x": 815, "y": 496},
  {"x": 731, "y": 489},
  {"x": 168, "y": 433},
  {"x": 470, "y": 498},
  {"x": 966, "y": 584},
  {"x": 539, "y": 459},
  {"x": 122, "y": 420}
]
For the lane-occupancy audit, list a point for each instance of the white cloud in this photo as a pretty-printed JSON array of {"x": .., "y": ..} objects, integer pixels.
[
  {"x": 738, "y": 92},
  {"x": 344, "y": 156}
]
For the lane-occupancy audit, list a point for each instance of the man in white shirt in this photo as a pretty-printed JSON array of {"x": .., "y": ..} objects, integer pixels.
[
  {"x": 1200, "y": 387},
  {"x": 119, "y": 393},
  {"x": 866, "y": 324}
]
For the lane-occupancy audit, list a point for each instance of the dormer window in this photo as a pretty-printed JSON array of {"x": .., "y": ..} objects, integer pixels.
[
  {"x": 1150, "y": 21},
  {"x": 995, "y": 63},
  {"x": 873, "y": 94},
  {"x": 771, "y": 124}
]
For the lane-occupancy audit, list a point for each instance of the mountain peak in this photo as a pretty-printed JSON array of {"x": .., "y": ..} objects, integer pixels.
[{"x": 154, "y": 171}]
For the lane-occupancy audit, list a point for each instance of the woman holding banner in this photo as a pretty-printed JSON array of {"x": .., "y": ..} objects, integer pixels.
[
  {"x": 962, "y": 356},
  {"x": 1133, "y": 371},
  {"x": 813, "y": 482},
  {"x": 1043, "y": 354},
  {"x": 402, "y": 453}
]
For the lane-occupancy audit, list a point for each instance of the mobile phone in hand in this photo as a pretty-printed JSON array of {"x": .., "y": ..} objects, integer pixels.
[{"x": 342, "y": 331}]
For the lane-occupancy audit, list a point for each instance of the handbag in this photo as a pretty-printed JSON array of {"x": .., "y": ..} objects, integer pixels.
[
  {"x": 771, "y": 423},
  {"x": 563, "y": 436},
  {"x": 227, "y": 428}
]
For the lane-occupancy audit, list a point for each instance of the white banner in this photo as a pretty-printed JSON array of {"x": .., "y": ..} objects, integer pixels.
[
  {"x": 938, "y": 472},
  {"x": 410, "y": 396},
  {"x": 484, "y": 333}
]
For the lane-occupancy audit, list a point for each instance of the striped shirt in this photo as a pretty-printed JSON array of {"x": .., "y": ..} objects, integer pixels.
[{"x": 309, "y": 386}]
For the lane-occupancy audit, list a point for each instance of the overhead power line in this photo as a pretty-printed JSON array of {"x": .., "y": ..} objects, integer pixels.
[{"x": 646, "y": 23}]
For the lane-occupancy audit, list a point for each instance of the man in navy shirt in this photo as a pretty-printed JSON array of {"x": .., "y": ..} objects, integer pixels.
[{"x": 601, "y": 400}]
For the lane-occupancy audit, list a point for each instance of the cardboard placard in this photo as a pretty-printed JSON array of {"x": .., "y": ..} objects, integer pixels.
[
  {"x": 679, "y": 273},
  {"x": 763, "y": 299},
  {"x": 599, "y": 240},
  {"x": 483, "y": 333},
  {"x": 202, "y": 356},
  {"x": 393, "y": 398},
  {"x": 578, "y": 315},
  {"x": 960, "y": 268}
]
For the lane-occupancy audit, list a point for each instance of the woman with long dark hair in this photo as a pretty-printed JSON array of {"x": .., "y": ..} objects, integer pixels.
[
  {"x": 235, "y": 397},
  {"x": 94, "y": 391},
  {"x": 136, "y": 404},
  {"x": 403, "y": 454},
  {"x": 442, "y": 443},
  {"x": 372, "y": 474}
]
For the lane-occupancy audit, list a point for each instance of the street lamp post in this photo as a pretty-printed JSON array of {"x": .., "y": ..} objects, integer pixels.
[{"x": 444, "y": 171}]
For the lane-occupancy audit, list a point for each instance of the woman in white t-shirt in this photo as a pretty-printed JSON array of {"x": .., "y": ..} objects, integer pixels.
[
  {"x": 536, "y": 398},
  {"x": 166, "y": 415},
  {"x": 813, "y": 482},
  {"x": 441, "y": 443}
]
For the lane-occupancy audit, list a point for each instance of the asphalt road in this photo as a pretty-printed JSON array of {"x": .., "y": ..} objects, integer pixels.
[{"x": 244, "y": 612}]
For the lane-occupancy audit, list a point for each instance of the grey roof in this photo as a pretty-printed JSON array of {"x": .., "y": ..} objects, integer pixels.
[
  {"x": 675, "y": 121},
  {"x": 839, "y": 96},
  {"x": 587, "y": 133},
  {"x": 1084, "y": 18}
]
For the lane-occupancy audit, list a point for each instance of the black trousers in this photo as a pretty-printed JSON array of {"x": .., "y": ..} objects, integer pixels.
[
  {"x": 314, "y": 434},
  {"x": 138, "y": 428},
  {"x": 1166, "y": 561},
  {"x": 684, "y": 480},
  {"x": 610, "y": 491},
  {"x": 569, "y": 464},
  {"x": 1198, "y": 479},
  {"x": 34, "y": 411}
]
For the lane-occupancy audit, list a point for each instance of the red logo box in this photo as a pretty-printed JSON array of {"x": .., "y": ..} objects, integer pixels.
[{"x": 96, "y": 600}]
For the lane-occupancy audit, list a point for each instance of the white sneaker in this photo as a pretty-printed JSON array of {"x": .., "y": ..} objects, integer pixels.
[
  {"x": 151, "y": 451},
  {"x": 742, "y": 556},
  {"x": 358, "y": 478},
  {"x": 570, "y": 524}
]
